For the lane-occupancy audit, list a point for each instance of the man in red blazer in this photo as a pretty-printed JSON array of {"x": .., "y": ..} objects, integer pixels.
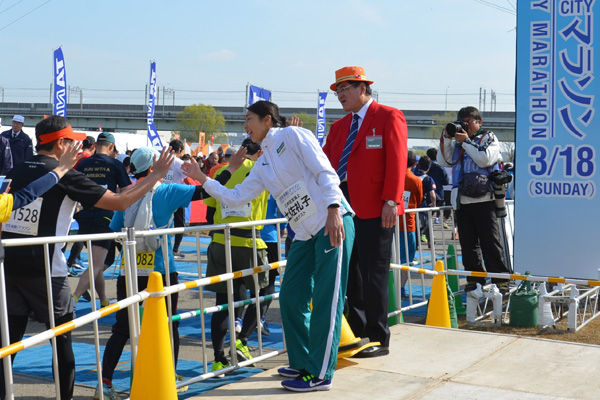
[{"x": 368, "y": 149}]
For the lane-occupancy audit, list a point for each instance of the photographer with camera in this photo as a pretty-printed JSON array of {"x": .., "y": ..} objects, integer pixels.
[{"x": 473, "y": 153}]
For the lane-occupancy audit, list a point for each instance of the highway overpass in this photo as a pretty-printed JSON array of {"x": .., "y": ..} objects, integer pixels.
[{"x": 131, "y": 117}]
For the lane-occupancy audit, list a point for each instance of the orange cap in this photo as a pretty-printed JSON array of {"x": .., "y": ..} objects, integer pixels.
[
  {"x": 63, "y": 133},
  {"x": 349, "y": 74}
]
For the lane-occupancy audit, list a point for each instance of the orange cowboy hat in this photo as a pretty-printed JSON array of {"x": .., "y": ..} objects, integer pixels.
[{"x": 349, "y": 74}]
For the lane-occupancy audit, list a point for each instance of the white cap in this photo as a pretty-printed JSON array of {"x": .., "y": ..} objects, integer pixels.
[{"x": 19, "y": 118}]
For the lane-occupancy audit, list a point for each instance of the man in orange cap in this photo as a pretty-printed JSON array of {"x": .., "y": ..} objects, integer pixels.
[{"x": 368, "y": 149}]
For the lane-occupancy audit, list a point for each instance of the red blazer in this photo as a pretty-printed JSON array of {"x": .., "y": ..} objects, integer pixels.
[{"x": 377, "y": 174}]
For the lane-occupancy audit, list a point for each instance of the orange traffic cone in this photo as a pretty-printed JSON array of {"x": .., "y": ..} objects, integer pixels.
[
  {"x": 349, "y": 344},
  {"x": 154, "y": 375},
  {"x": 438, "y": 312}
]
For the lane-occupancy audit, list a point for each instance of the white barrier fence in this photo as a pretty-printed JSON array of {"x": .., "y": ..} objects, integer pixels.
[
  {"x": 436, "y": 249},
  {"x": 134, "y": 297}
]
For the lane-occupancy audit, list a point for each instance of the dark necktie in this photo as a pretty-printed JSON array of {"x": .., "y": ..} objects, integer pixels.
[{"x": 343, "y": 165}]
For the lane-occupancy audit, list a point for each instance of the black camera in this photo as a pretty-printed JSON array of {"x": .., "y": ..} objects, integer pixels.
[
  {"x": 500, "y": 179},
  {"x": 456, "y": 126}
]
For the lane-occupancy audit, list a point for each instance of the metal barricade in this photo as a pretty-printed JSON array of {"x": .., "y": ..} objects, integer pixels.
[{"x": 127, "y": 238}]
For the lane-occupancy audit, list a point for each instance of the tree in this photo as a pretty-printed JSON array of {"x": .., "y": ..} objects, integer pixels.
[
  {"x": 201, "y": 118},
  {"x": 439, "y": 122},
  {"x": 310, "y": 122},
  {"x": 508, "y": 151}
]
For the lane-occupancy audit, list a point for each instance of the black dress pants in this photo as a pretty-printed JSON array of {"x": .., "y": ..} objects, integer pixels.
[{"x": 368, "y": 280}]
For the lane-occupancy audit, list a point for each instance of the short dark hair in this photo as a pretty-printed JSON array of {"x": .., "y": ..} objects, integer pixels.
[
  {"x": 412, "y": 159},
  {"x": 88, "y": 142},
  {"x": 469, "y": 112},
  {"x": 368, "y": 89},
  {"x": 432, "y": 153},
  {"x": 252, "y": 147},
  {"x": 176, "y": 145},
  {"x": 424, "y": 163},
  {"x": 50, "y": 124}
]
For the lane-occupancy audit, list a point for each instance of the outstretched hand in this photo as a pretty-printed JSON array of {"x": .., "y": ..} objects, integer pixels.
[
  {"x": 70, "y": 155},
  {"x": 295, "y": 121},
  {"x": 162, "y": 165},
  {"x": 68, "y": 158},
  {"x": 192, "y": 169},
  {"x": 237, "y": 159}
]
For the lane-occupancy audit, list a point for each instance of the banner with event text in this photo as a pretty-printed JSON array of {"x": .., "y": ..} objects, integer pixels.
[{"x": 556, "y": 201}]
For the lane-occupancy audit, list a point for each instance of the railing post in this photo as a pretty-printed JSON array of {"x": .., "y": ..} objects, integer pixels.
[
  {"x": 229, "y": 270},
  {"x": 48, "y": 264},
  {"x": 133, "y": 312},
  {"x": 6, "y": 362}
]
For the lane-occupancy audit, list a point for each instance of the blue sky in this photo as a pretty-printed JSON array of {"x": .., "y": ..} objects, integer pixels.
[{"x": 207, "y": 51}]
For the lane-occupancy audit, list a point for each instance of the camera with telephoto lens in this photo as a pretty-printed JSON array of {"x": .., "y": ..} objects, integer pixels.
[
  {"x": 456, "y": 126},
  {"x": 500, "y": 179}
]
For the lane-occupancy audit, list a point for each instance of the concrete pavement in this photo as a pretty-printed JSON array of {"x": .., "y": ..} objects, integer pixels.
[{"x": 435, "y": 363}]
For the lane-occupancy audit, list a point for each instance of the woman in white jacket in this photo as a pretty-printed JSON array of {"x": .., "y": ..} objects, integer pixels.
[{"x": 299, "y": 176}]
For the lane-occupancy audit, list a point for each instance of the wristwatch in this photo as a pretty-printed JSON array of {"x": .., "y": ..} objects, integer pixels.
[{"x": 391, "y": 203}]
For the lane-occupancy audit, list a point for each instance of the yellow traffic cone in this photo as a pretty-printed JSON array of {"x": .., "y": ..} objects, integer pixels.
[
  {"x": 438, "y": 312},
  {"x": 349, "y": 344},
  {"x": 154, "y": 375}
]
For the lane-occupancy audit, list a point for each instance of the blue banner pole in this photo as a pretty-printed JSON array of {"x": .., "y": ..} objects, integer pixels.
[
  {"x": 59, "y": 95},
  {"x": 321, "y": 124},
  {"x": 153, "y": 137}
]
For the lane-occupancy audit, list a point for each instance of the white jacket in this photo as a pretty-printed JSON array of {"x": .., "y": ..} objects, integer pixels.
[
  {"x": 291, "y": 154},
  {"x": 484, "y": 153}
]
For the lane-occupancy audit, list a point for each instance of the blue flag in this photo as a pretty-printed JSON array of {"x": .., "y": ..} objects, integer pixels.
[
  {"x": 59, "y": 97},
  {"x": 321, "y": 124},
  {"x": 153, "y": 137},
  {"x": 256, "y": 94}
]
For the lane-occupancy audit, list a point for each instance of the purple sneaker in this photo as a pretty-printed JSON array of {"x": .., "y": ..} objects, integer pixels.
[{"x": 306, "y": 382}]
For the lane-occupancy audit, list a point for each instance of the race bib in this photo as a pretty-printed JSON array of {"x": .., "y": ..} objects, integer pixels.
[
  {"x": 243, "y": 211},
  {"x": 296, "y": 204},
  {"x": 169, "y": 177},
  {"x": 25, "y": 220},
  {"x": 145, "y": 264}
]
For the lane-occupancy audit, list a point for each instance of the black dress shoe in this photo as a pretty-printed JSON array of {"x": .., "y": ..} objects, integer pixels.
[{"x": 375, "y": 351}]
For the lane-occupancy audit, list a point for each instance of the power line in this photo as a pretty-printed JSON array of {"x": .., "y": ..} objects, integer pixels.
[
  {"x": 8, "y": 8},
  {"x": 496, "y": 6},
  {"x": 23, "y": 16}
]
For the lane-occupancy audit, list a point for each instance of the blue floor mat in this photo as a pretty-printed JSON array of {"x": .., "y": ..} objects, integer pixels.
[{"x": 38, "y": 362}]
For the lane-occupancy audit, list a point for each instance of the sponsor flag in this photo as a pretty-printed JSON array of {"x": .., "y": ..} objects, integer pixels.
[
  {"x": 321, "y": 124},
  {"x": 153, "y": 137},
  {"x": 59, "y": 97},
  {"x": 256, "y": 93}
]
